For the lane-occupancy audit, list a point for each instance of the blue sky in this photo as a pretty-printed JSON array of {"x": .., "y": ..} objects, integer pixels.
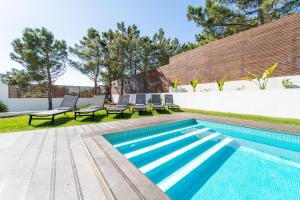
[{"x": 69, "y": 20}]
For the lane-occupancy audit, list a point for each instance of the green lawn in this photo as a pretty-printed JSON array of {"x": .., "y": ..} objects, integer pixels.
[
  {"x": 276, "y": 120},
  {"x": 21, "y": 123}
]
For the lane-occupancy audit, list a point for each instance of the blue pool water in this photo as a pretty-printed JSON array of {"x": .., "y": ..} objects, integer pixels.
[{"x": 196, "y": 159}]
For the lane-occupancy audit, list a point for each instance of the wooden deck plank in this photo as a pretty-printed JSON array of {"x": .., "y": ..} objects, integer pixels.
[
  {"x": 9, "y": 157},
  {"x": 21, "y": 175},
  {"x": 113, "y": 178},
  {"x": 40, "y": 185},
  {"x": 90, "y": 187},
  {"x": 9, "y": 140},
  {"x": 136, "y": 179},
  {"x": 65, "y": 186}
]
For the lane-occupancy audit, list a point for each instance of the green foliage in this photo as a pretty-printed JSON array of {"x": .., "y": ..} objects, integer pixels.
[
  {"x": 89, "y": 56},
  {"x": 126, "y": 53},
  {"x": 221, "y": 83},
  {"x": 20, "y": 78},
  {"x": 174, "y": 85},
  {"x": 194, "y": 84},
  {"x": 221, "y": 18},
  {"x": 261, "y": 81},
  {"x": 287, "y": 83},
  {"x": 3, "y": 107},
  {"x": 42, "y": 56}
]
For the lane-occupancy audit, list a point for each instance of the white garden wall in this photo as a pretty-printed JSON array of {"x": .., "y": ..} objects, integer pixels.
[
  {"x": 3, "y": 93},
  {"x": 36, "y": 104},
  {"x": 274, "y": 102},
  {"x": 32, "y": 104},
  {"x": 273, "y": 83}
]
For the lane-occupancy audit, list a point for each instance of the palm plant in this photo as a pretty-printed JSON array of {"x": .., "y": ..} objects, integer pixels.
[
  {"x": 221, "y": 83},
  {"x": 261, "y": 81},
  {"x": 194, "y": 84},
  {"x": 174, "y": 85}
]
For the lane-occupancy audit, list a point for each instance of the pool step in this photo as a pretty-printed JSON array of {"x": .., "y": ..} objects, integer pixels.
[
  {"x": 154, "y": 136},
  {"x": 161, "y": 144},
  {"x": 168, "y": 157},
  {"x": 175, "y": 177}
]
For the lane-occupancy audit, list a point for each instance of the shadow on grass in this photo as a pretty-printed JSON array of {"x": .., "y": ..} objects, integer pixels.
[
  {"x": 98, "y": 118},
  {"x": 57, "y": 122},
  {"x": 145, "y": 113},
  {"x": 176, "y": 110},
  {"x": 161, "y": 111},
  {"x": 126, "y": 115}
]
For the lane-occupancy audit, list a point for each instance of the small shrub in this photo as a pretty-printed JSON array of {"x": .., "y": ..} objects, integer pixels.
[
  {"x": 194, "y": 84},
  {"x": 221, "y": 83},
  {"x": 174, "y": 85},
  {"x": 261, "y": 81},
  {"x": 3, "y": 107},
  {"x": 287, "y": 83}
]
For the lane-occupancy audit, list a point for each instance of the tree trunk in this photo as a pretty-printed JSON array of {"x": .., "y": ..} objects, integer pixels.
[
  {"x": 95, "y": 86},
  {"x": 122, "y": 85},
  {"x": 261, "y": 18},
  {"x": 49, "y": 89},
  {"x": 96, "y": 78},
  {"x": 109, "y": 91}
]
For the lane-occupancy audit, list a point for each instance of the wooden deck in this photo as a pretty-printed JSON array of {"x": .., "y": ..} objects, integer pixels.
[{"x": 78, "y": 163}]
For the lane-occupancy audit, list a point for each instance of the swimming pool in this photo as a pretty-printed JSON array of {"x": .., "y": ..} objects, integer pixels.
[{"x": 196, "y": 159}]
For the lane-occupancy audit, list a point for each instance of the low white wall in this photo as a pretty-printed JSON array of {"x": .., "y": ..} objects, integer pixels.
[
  {"x": 275, "y": 102},
  {"x": 32, "y": 104},
  {"x": 36, "y": 104},
  {"x": 3, "y": 93}
]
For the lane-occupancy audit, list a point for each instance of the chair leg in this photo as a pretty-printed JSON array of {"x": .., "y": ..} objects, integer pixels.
[
  {"x": 30, "y": 119},
  {"x": 75, "y": 115},
  {"x": 122, "y": 114},
  {"x": 52, "y": 120},
  {"x": 94, "y": 116}
]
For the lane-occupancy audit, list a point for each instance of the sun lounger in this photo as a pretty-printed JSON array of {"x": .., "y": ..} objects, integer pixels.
[
  {"x": 156, "y": 102},
  {"x": 169, "y": 101},
  {"x": 67, "y": 105},
  {"x": 140, "y": 103},
  {"x": 120, "y": 107},
  {"x": 96, "y": 105}
]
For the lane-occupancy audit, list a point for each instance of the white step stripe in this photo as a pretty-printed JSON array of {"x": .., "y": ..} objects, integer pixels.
[
  {"x": 174, "y": 154},
  {"x": 154, "y": 136},
  {"x": 158, "y": 145},
  {"x": 171, "y": 180}
]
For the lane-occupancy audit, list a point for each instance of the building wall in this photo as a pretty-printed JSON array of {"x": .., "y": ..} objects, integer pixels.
[{"x": 251, "y": 51}]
